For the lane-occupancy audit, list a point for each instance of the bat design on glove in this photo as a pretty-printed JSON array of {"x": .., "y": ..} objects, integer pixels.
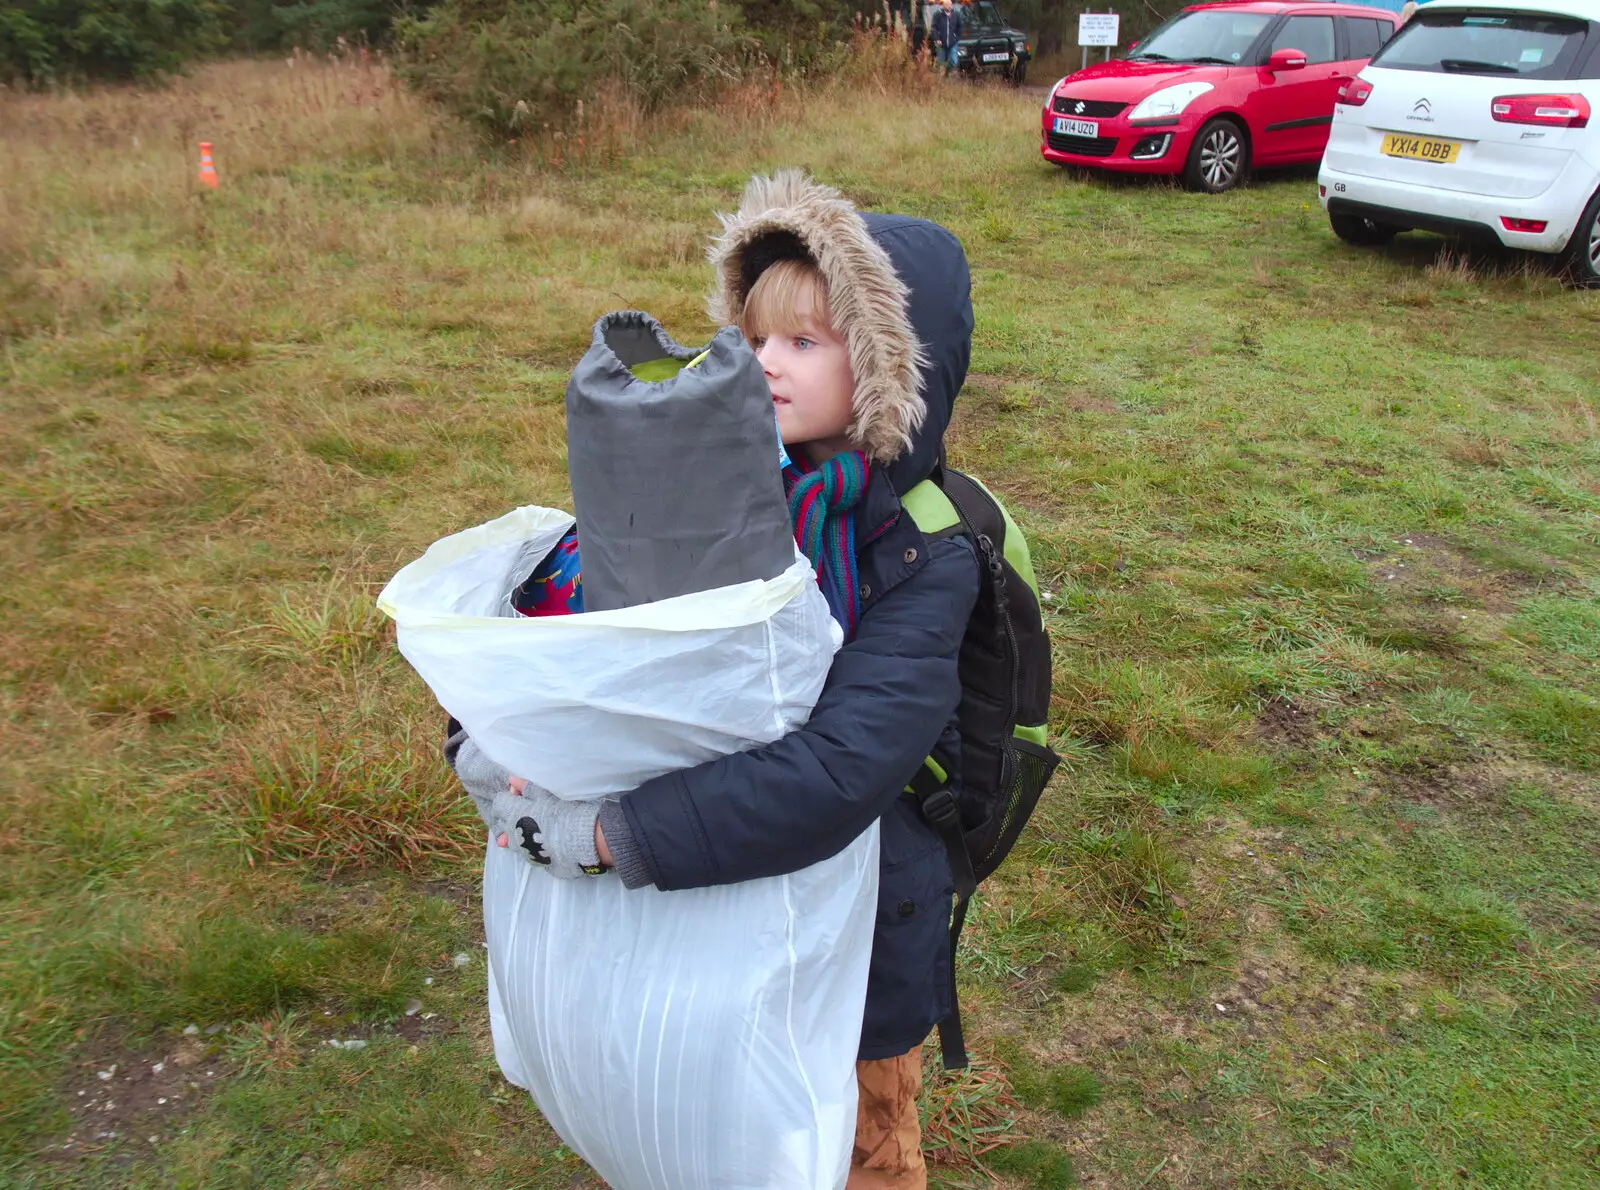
[{"x": 531, "y": 839}]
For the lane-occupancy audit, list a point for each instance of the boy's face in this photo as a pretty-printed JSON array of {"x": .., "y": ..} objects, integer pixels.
[{"x": 809, "y": 373}]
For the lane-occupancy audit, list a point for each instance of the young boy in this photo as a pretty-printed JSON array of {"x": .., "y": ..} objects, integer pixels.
[{"x": 863, "y": 327}]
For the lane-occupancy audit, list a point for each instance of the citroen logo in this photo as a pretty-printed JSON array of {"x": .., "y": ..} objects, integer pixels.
[
  {"x": 1421, "y": 107},
  {"x": 1079, "y": 108}
]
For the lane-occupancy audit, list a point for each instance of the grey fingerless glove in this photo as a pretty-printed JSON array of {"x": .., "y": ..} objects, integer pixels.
[
  {"x": 481, "y": 777},
  {"x": 555, "y": 834}
]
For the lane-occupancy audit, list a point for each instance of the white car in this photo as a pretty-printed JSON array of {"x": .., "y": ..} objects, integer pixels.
[{"x": 1476, "y": 118}]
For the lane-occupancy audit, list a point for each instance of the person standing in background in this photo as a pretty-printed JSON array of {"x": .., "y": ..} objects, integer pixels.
[{"x": 946, "y": 32}]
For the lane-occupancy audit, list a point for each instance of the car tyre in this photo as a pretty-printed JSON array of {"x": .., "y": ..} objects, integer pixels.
[
  {"x": 1358, "y": 229},
  {"x": 1219, "y": 159},
  {"x": 1019, "y": 74},
  {"x": 1581, "y": 260}
]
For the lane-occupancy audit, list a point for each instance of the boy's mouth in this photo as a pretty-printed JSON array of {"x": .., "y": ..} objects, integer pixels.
[{"x": 777, "y": 400}]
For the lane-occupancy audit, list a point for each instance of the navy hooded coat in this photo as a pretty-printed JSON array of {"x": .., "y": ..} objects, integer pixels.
[{"x": 892, "y": 692}]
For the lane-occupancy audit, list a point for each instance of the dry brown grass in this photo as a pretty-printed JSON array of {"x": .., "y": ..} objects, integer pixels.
[
  {"x": 109, "y": 150},
  {"x": 373, "y": 799},
  {"x": 92, "y": 174}
]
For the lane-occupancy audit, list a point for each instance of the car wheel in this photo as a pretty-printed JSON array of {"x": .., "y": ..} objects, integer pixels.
[
  {"x": 1019, "y": 74},
  {"x": 1582, "y": 257},
  {"x": 1357, "y": 229},
  {"x": 1219, "y": 159}
]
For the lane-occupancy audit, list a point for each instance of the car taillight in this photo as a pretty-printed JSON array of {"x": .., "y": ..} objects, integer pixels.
[
  {"x": 1554, "y": 111},
  {"x": 1529, "y": 225},
  {"x": 1354, "y": 93}
]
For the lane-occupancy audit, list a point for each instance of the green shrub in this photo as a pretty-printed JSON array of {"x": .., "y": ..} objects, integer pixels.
[
  {"x": 796, "y": 33},
  {"x": 50, "y": 41},
  {"x": 317, "y": 25},
  {"x": 515, "y": 66}
]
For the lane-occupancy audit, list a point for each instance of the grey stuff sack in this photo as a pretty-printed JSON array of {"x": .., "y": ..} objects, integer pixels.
[{"x": 673, "y": 457}]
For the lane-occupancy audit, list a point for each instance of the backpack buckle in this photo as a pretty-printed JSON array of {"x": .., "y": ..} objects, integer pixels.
[{"x": 941, "y": 809}]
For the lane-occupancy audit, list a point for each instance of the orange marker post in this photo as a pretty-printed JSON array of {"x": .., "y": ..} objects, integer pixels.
[{"x": 208, "y": 171}]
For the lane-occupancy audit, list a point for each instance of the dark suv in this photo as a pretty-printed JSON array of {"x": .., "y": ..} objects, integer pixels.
[{"x": 989, "y": 45}]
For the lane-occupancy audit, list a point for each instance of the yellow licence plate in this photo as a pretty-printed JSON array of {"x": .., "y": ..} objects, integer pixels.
[{"x": 1421, "y": 148}]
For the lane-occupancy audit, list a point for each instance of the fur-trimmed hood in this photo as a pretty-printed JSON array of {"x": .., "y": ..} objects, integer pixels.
[{"x": 899, "y": 294}]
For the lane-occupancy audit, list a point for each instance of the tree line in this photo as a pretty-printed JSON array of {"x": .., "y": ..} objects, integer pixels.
[
  {"x": 56, "y": 42},
  {"x": 63, "y": 42}
]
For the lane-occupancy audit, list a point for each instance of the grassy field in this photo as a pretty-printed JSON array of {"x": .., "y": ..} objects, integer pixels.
[{"x": 1315, "y": 900}]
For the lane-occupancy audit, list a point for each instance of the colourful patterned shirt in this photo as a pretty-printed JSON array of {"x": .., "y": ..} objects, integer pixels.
[{"x": 555, "y": 588}]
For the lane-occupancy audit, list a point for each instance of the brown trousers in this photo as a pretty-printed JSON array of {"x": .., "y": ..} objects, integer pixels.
[{"x": 888, "y": 1149}]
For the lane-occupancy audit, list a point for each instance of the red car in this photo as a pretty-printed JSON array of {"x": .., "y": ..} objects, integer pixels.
[{"x": 1215, "y": 91}]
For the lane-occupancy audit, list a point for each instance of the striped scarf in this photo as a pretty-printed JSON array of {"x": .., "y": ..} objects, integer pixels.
[{"x": 821, "y": 500}]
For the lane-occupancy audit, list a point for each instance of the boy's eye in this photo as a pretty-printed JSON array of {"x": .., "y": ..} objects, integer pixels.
[
  {"x": 801, "y": 342},
  {"x": 758, "y": 343}
]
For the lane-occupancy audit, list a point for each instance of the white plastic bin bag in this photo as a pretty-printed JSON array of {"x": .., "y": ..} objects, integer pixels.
[{"x": 694, "y": 1040}]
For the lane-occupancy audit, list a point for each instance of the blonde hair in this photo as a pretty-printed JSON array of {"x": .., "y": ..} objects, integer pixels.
[{"x": 788, "y": 298}]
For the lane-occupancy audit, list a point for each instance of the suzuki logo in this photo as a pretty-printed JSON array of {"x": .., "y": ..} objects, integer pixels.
[
  {"x": 1079, "y": 108},
  {"x": 1421, "y": 110}
]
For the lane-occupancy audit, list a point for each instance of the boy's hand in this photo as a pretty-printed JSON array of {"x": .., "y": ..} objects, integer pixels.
[
  {"x": 561, "y": 837},
  {"x": 520, "y": 784}
]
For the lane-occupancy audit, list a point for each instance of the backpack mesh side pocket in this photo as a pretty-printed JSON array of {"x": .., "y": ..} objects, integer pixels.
[{"x": 1026, "y": 768}]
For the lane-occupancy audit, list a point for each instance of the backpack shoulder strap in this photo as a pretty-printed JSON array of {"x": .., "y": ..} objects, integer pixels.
[
  {"x": 931, "y": 793},
  {"x": 950, "y": 503},
  {"x": 932, "y": 511},
  {"x": 973, "y": 502},
  {"x": 939, "y": 516}
]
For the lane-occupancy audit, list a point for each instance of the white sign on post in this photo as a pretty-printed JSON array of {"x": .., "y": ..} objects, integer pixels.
[{"x": 1097, "y": 28}]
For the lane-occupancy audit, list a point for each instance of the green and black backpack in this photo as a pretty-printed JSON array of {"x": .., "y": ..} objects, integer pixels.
[{"x": 1005, "y": 759}]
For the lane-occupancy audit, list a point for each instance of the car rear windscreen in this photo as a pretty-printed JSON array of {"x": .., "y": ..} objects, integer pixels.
[{"x": 1524, "y": 45}]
